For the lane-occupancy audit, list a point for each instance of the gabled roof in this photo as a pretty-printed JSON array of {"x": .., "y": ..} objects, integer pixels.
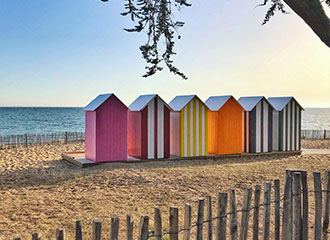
[
  {"x": 93, "y": 105},
  {"x": 248, "y": 103},
  {"x": 214, "y": 103},
  {"x": 179, "y": 102},
  {"x": 142, "y": 101},
  {"x": 280, "y": 102}
]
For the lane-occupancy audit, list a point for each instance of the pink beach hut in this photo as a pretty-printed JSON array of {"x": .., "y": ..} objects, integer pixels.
[
  {"x": 106, "y": 129},
  {"x": 149, "y": 128}
]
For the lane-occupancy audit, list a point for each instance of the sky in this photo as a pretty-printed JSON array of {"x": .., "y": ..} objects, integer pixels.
[{"x": 65, "y": 53}]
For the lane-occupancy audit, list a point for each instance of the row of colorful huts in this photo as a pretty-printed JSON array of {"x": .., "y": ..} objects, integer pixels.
[{"x": 150, "y": 128}]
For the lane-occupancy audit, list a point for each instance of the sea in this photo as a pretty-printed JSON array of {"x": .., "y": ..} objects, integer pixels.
[{"x": 33, "y": 120}]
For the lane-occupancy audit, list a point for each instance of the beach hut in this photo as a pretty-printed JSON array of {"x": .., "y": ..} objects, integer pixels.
[
  {"x": 188, "y": 126},
  {"x": 286, "y": 123},
  {"x": 258, "y": 118},
  {"x": 225, "y": 125},
  {"x": 106, "y": 129},
  {"x": 149, "y": 128}
]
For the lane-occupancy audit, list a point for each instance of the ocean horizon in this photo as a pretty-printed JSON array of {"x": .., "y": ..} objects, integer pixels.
[{"x": 34, "y": 120}]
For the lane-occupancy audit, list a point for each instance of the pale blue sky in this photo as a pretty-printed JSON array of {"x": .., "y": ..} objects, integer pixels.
[{"x": 64, "y": 53}]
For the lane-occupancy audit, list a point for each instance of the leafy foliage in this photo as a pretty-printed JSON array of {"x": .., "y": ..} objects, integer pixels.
[{"x": 276, "y": 5}]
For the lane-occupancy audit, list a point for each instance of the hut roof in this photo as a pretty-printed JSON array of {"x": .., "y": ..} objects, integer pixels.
[
  {"x": 214, "y": 103},
  {"x": 280, "y": 102},
  {"x": 142, "y": 101},
  {"x": 179, "y": 102},
  {"x": 248, "y": 103},
  {"x": 93, "y": 105}
]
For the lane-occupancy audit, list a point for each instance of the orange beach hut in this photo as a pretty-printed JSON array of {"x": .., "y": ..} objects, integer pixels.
[{"x": 225, "y": 125}]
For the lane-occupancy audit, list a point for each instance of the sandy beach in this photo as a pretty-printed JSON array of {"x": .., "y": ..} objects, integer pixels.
[{"x": 39, "y": 192}]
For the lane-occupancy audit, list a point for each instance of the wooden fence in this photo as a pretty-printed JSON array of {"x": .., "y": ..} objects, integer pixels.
[
  {"x": 315, "y": 134},
  {"x": 289, "y": 211},
  {"x": 35, "y": 139}
]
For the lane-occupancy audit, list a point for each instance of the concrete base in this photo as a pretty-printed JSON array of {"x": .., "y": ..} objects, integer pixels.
[{"x": 78, "y": 158}]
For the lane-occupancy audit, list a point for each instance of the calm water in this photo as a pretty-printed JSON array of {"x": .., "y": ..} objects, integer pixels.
[{"x": 19, "y": 120}]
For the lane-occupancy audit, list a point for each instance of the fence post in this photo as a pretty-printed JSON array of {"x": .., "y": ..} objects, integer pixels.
[
  {"x": 144, "y": 228},
  {"x": 200, "y": 219},
  {"x": 296, "y": 187},
  {"x": 209, "y": 217},
  {"x": 277, "y": 208},
  {"x": 26, "y": 140},
  {"x": 114, "y": 228},
  {"x": 318, "y": 205},
  {"x": 245, "y": 214},
  {"x": 233, "y": 216},
  {"x": 187, "y": 222},
  {"x": 326, "y": 206},
  {"x": 158, "y": 224},
  {"x": 222, "y": 218},
  {"x": 78, "y": 230},
  {"x": 129, "y": 227},
  {"x": 174, "y": 223},
  {"x": 287, "y": 209},
  {"x": 59, "y": 234},
  {"x": 35, "y": 236},
  {"x": 266, "y": 215},
  {"x": 257, "y": 193},
  {"x": 305, "y": 224},
  {"x": 66, "y": 138},
  {"x": 97, "y": 229}
]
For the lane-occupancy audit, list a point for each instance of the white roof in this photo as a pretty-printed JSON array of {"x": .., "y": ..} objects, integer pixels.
[
  {"x": 93, "y": 105},
  {"x": 214, "y": 103},
  {"x": 248, "y": 103},
  {"x": 280, "y": 102},
  {"x": 142, "y": 101},
  {"x": 179, "y": 102}
]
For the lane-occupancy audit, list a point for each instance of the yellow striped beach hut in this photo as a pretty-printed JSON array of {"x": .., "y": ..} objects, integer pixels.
[{"x": 188, "y": 126}]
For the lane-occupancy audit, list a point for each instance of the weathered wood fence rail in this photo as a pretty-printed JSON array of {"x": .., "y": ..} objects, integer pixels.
[
  {"x": 290, "y": 213},
  {"x": 315, "y": 134}
]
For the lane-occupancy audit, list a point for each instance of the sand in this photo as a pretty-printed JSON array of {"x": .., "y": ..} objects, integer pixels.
[
  {"x": 39, "y": 192},
  {"x": 316, "y": 144}
]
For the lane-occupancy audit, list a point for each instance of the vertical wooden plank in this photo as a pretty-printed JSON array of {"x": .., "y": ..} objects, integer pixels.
[
  {"x": 114, "y": 228},
  {"x": 209, "y": 218},
  {"x": 97, "y": 229},
  {"x": 200, "y": 219},
  {"x": 266, "y": 215},
  {"x": 277, "y": 196},
  {"x": 129, "y": 227},
  {"x": 326, "y": 206},
  {"x": 305, "y": 207},
  {"x": 144, "y": 228},
  {"x": 245, "y": 214},
  {"x": 26, "y": 140},
  {"x": 78, "y": 230},
  {"x": 233, "y": 216},
  {"x": 287, "y": 210},
  {"x": 257, "y": 193},
  {"x": 59, "y": 234},
  {"x": 222, "y": 217},
  {"x": 157, "y": 224},
  {"x": 174, "y": 223},
  {"x": 66, "y": 137},
  {"x": 35, "y": 236},
  {"x": 318, "y": 205},
  {"x": 296, "y": 232},
  {"x": 187, "y": 222}
]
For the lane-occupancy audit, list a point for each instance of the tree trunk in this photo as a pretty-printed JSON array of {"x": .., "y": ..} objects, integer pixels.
[{"x": 312, "y": 12}]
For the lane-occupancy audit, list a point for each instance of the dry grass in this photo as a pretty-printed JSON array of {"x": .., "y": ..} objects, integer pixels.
[
  {"x": 39, "y": 192},
  {"x": 316, "y": 144}
]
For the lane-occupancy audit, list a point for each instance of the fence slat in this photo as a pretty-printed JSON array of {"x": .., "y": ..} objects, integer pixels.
[
  {"x": 157, "y": 224},
  {"x": 277, "y": 195},
  {"x": 318, "y": 205},
  {"x": 114, "y": 228},
  {"x": 187, "y": 222},
  {"x": 233, "y": 216},
  {"x": 129, "y": 227},
  {"x": 245, "y": 214},
  {"x": 144, "y": 228},
  {"x": 305, "y": 207},
  {"x": 35, "y": 236},
  {"x": 222, "y": 217},
  {"x": 174, "y": 223},
  {"x": 200, "y": 219},
  {"x": 59, "y": 234},
  {"x": 209, "y": 217},
  {"x": 326, "y": 206},
  {"x": 97, "y": 229},
  {"x": 287, "y": 210},
  {"x": 78, "y": 230},
  {"x": 266, "y": 215},
  {"x": 257, "y": 193},
  {"x": 296, "y": 187}
]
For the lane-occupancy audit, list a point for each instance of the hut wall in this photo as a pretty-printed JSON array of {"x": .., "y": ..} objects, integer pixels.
[
  {"x": 90, "y": 135},
  {"x": 175, "y": 133},
  {"x": 134, "y": 134}
]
